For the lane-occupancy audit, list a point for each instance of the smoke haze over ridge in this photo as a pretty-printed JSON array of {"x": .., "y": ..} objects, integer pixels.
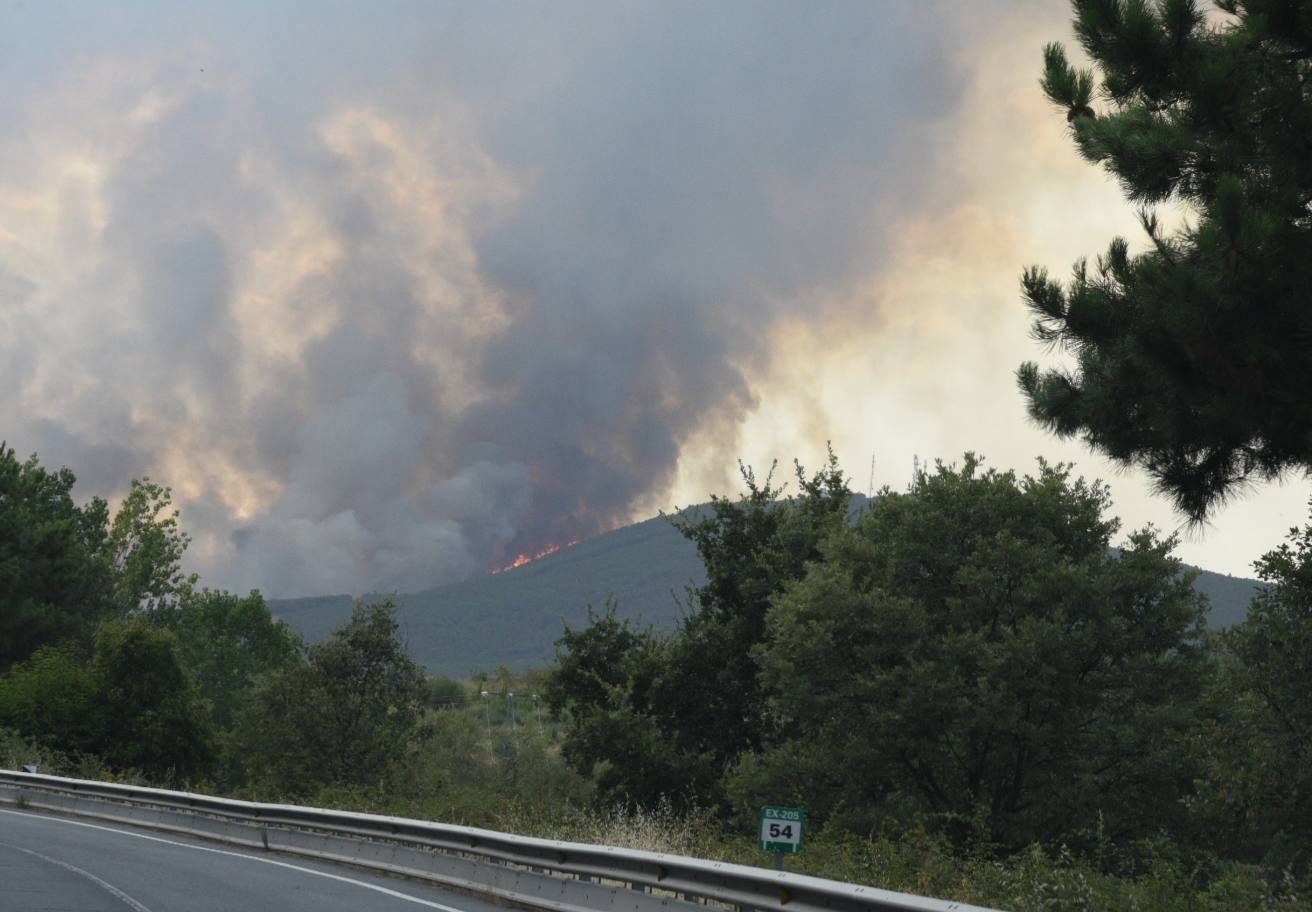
[{"x": 389, "y": 295}]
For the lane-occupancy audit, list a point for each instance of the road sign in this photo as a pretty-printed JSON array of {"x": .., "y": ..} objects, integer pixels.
[{"x": 781, "y": 828}]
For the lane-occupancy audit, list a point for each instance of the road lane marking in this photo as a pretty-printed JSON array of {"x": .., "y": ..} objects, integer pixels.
[
  {"x": 269, "y": 861},
  {"x": 109, "y": 887}
]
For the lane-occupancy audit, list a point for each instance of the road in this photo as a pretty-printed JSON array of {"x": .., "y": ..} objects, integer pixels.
[{"x": 49, "y": 862}]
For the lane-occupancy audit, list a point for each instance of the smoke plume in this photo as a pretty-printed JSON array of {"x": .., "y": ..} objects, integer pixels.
[{"x": 392, "y": 294}]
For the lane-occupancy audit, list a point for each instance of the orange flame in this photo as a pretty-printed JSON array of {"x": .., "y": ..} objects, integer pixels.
[{"x": 522, "y": 559}]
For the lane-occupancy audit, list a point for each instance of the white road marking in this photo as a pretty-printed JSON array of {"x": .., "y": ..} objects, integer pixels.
[
  {"x": 113, "y": 890},
  {"x": 269, "y": 861}
]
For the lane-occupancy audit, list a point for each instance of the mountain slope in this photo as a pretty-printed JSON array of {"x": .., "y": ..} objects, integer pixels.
[{"x": 513, "y": 618}]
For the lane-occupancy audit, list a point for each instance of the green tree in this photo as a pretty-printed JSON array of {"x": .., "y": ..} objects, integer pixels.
[
  {"x": 445, "y": 693},
  {"x": 52, "y": 696},
  {"x": 656, "y": 717},
  {"x": 344, "y": 716},
  {"x": 226, "y": 643},
  {"x": 156, "y": 721},
  {"x": 972, "y": 653},
  {"x": 1258, "y": 794},
  {"x": 55, "y": 578},
  {"x": 132, "y": 704},
  {"x": 1191, "y": 357},
  {"x": 146, "y": 546},
  {"x": 752, "y": 548},
  {"x": 602, "y": 685},
  {"x": 65, "y": 568}
]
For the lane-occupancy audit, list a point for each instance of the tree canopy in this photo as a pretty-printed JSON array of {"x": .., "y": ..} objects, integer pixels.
[
  {"x": 970, "y": 665},
  {"x": 972, "y": 655},
  {"x": 56, "y": 579},
  {"x": 155, "y": 719},
  {"x": 227, "y": 643},
  {"x": 1190, "y": 358},
  {"x": 340, "y": 716},
  {"x": 657, "y": 717},
  {"x": 132, "y": 705},
  {"x": 146, "y": 545},
  {"x": 980, "y": 653},
  {"x": 1259, "y": 789},
  {"x": 64, "y": 568}
]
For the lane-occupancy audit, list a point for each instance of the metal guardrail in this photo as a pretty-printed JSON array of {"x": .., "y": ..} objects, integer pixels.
[{"x": 537, "y": 873}]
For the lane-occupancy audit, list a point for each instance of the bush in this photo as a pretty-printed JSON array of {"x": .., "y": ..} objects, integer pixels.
[{"x": 444, "y": 693}]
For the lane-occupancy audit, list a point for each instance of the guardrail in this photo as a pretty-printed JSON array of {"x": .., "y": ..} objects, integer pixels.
[{"x": 536, "y": 873}]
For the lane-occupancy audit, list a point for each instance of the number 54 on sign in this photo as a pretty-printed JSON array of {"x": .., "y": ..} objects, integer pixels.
[{"x": 781, "y": 828}]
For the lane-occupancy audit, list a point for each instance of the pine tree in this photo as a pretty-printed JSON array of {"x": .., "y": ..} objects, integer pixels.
[{"x": 1194, "y": 358}]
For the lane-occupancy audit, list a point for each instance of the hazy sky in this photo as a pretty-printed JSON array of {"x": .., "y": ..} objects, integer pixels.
[{"x": 391, "y": 292}]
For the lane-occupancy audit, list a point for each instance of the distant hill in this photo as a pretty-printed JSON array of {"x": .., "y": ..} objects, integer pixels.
[
  {"x": 1229, "y": 596},
  {"x": 513, "y": 618}
]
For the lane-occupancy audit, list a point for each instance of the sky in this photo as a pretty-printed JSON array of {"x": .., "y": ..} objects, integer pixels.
[{"x": 390, "y": 293}]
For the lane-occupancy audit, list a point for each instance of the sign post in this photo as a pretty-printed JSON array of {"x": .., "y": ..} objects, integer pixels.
[{"x": 781, "y": 831}]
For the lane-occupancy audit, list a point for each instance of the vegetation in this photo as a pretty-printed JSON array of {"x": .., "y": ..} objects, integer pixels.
[
  {"x": 1260, "y": 784},
  {"x": 1039, "y": 720},
  {"x": 514, "y": 618},
  {"x": 55, "y": 571},
  {"x": 974, "y": 646},
  {"x": 1191, "y": 358},
  {"x": 227, "y": 642},
  {"x": 153, "y": 718},
  {"x": 339, "y": 716},
  {"x": 974, "y": 687},
  {"x": 132, "y": 705},
  {"x": 657, "y": 716}
]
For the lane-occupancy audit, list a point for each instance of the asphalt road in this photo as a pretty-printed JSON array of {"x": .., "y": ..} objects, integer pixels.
[{"x": 61, "y": 863}]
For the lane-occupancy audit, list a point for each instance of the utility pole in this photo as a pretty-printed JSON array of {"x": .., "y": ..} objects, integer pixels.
[{"x": 487, "y": 709}]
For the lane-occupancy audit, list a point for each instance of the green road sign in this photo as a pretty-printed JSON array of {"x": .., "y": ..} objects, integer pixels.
[{"x": 781, "y": 828}]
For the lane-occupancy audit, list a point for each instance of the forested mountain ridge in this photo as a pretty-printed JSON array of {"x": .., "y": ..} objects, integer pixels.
[{"x": 514, "y": 618}]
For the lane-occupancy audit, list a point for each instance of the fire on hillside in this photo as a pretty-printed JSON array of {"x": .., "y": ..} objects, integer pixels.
[{"x": 522, "y": 559}]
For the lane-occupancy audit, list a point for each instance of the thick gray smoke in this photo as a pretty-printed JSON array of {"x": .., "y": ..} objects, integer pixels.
[{"x": 390, "y": 294}]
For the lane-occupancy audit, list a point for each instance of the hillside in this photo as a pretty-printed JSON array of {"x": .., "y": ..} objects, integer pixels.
[
  {"x": 1229, "y": 596},
  {"x": 513, "y": 618}
]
